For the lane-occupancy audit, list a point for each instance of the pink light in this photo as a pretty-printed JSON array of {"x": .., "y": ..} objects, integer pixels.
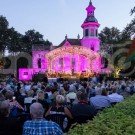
[{"x": 25, "y": 74}]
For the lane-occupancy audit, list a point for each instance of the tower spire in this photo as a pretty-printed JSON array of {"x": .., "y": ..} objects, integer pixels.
[{"x": 90, "y": 3}]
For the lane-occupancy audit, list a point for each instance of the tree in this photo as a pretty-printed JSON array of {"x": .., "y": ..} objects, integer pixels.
[
  {"x": 110, "y": 35},
  {"x": 31, "y": 37},
  {"x": 47, "y": 42},
  {"x": 4, "y": 37},
  {"x": 15, "y": 41},
  {"x": 129, "y": 30},
  {"x": 132, "y": 11}
]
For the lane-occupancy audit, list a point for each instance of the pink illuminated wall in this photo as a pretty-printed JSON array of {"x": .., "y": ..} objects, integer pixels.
[
  {"x": 44, "y": 63},
  {"x": 70, "y": 62}
]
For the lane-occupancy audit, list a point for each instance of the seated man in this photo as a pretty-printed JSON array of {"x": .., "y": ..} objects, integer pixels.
[
  {"x": 8, "y": 126},
  {"x": 82, "y": 111},
  {"x": 100, "y": 101},
  {"x": 115, "y": 97},
  {"x": 38, "y": 125}
]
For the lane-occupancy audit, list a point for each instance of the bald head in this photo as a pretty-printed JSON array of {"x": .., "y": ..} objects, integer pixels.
[{"x": 36, "y": 110}]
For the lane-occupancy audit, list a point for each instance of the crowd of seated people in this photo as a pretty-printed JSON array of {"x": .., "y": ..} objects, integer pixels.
[{"x": 59, "y": 102}]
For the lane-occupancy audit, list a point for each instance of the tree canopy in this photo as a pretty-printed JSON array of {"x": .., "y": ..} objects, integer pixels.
[
  {"x": 3, "y": 33},
  {"x": 16, "y": 42},
  {"x": 132, "y": 11},
  {"x": 110, "y": 35}
]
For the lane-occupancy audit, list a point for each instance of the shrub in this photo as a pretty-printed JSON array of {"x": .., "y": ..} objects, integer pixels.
[{"x": 118, "y": 120}]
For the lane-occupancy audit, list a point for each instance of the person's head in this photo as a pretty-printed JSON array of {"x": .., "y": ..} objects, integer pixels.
[
  {"x": 48, "y": 89},
  {"x": 114, "y": 89},
  {"x": 4, "y": 108},
  {"x": 104, "y": 92},
  {"x": 55, "y": 94},
  {"x": 36, "y": 110},
  {"x": 98, "y": 91},
  {"x": 30, "y": 93},
  {"x": 9, "y": 95},
  {"x": 62, "y": 91},
  {"x": 82, "y": 97},
  {"x": 82, "y": 89},
  {"x": 72, "y": 88},
  {"x": 60, "y": 99},
  {"x": 40, "y": 95}
]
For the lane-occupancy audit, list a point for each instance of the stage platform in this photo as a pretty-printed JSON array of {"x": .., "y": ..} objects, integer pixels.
[{"x": 72, "y": 79}]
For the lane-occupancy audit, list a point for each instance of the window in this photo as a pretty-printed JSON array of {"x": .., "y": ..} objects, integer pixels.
[
  {"x": 39, "y": 63},
  {"x": 96, "y": 33},
  {"x": 92, "y": 33},
  {"x": 86, "y": 33},
  {"x": 73, "y": 61},
  {"x": 25, "y": 73},
  {"x": 92, "y": 47},
  {"x": 61, "y": 61}
]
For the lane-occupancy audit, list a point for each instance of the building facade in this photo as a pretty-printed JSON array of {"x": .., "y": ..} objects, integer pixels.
[{"x": 71, "y": 56}]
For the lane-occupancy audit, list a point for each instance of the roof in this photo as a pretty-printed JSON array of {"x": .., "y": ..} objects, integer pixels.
[
  {"x": 71, "y": 41},
  {"x": 40, "y": 47},
  {"x": 90, "y": 19}
]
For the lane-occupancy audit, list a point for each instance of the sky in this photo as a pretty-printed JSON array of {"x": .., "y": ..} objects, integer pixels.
[{"x": 56, "y": 18}]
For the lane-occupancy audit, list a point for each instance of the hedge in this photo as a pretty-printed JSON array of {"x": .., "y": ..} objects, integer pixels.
[{"x": 117, "y": 120}]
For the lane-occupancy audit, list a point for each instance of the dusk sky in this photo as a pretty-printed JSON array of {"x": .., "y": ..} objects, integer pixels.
[{"x": 56, "y": 18}]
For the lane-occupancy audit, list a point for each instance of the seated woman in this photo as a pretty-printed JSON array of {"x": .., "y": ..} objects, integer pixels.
[{"x": 59, "y": 108}]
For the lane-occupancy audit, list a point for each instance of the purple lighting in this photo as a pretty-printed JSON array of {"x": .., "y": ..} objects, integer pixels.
[
  {"x": 25, "y": 74},
  {"x": 72, "y": 56}
]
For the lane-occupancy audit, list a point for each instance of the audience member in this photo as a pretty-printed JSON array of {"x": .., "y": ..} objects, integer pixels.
[
  {"x": 59, "y": 108},
  {"x": 38, "y": 125},
  {"x": 8, "y": 126},
  {"x": 115, "y": 97}
]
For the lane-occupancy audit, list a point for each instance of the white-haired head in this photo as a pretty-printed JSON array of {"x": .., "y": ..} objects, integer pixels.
[
  {"x": 60, "y": 99},
  {"x": 36, "y": 110}
]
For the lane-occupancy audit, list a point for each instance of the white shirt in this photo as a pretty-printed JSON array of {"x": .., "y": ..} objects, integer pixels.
[
  {"x": 115, "y": 97},
  {"x": 29, "y": 100},
  {"x": 71, "y": 95}
]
